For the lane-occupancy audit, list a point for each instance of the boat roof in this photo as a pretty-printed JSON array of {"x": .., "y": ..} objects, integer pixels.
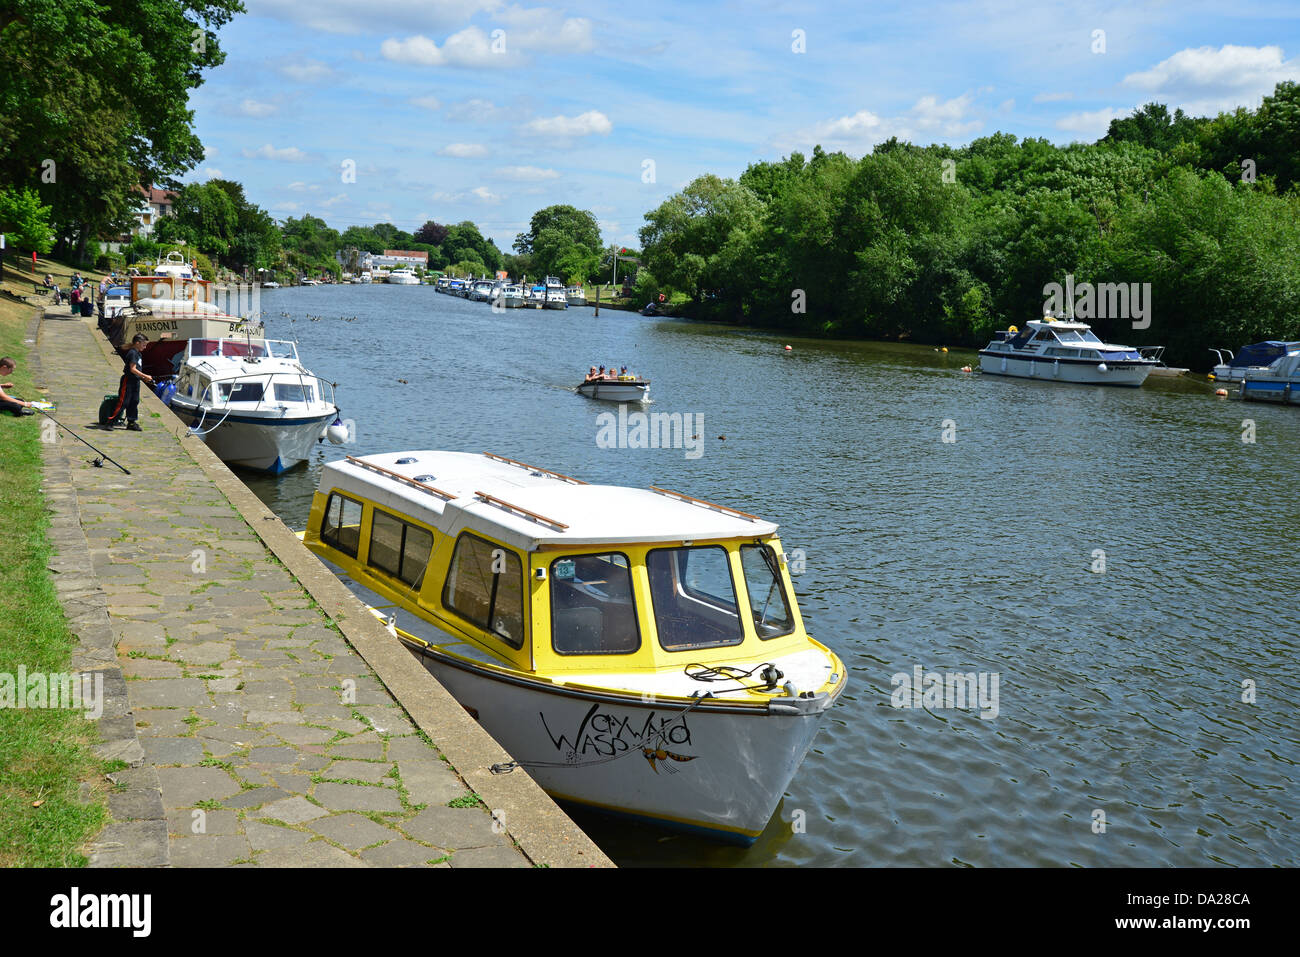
[
  {"x": 1059, "y": 324},
  {"x": 528, "y": 507}
]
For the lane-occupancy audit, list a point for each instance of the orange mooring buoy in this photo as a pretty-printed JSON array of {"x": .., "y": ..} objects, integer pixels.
[{"x": 1221, "y": 392}]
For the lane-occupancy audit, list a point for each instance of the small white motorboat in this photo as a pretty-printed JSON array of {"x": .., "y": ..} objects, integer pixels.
[
  {"x": 253, "y": 402},
  {"x": 629, "y": 388},
  {"x": 576, "y": 295},
  {"x": 1156, "y": 354},
  {"x": 403, "y": 277},
  {"x": 1061, "y": 351}
]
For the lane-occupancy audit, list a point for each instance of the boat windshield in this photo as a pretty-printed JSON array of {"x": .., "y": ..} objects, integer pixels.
[
  {"x": 767, "y": 600},
  {"x": 1089, "y": 336},
  {"x": 1069, "y": 335},
  {"x": 694, "y": 597},
  {"x": 592, "y": 609}
]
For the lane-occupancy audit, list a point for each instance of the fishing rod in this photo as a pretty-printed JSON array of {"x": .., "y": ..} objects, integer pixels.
[{"x": 99, "y": 462}]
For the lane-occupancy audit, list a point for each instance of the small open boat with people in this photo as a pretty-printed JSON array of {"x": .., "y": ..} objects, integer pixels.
[
  {"x": 612, "y": 386},
  {"x": 638, "y": 651},
  {"x": 1062, "y": 351},
  {"x": 253, "y": 402}
]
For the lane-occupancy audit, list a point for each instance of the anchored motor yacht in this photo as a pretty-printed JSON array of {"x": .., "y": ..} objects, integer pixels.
[{"x": 1063, "y": 351}]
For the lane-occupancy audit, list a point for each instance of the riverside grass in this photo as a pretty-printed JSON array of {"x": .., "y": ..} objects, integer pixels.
[{"x": 45, "y": 753}]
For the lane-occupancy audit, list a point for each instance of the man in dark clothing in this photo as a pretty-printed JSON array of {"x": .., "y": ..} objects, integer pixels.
[{"x": 128, "y": 392}]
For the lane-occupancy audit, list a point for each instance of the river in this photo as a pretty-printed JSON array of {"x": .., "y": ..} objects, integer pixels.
[{"x": 1120, "y": 559}]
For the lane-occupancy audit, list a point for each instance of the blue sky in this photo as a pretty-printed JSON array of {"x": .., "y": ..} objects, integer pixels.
[{"x": 487, "y": 111}]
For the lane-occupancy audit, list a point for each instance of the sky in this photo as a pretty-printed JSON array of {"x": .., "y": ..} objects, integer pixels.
[{"x": 410, "y": 110}]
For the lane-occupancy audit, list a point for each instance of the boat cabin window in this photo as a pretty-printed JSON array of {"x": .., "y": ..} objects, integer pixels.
[
  {"x": 1044, "y": 335},
  {"x": 592, "y": 611},
  {"x": 399, "y": 548},
  {"x": 340, "y": 526},
  {"x": 241, "y": 391},
  {"x": 694, "y": 597},
  {"x": 485, "y": 586},
  {"x": 294, "y": 392},
  {"x": 767, "y": 599}
]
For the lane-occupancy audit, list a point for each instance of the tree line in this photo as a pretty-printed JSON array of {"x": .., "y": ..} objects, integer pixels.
[{"x": 944, "y": 245}]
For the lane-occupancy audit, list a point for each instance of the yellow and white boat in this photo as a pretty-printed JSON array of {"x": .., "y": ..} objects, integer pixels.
[{"x": 636, "y": 650}]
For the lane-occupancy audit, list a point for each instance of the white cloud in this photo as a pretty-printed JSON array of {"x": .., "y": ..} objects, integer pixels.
[
  {"x": 308, "y": 71},
  {"x": 256, "y": 108},
  {"x": 1091, "y": 123},
  {"x": 1052, "y": 97},
  {"x": 480, "y": 193},
  {"x": 333, "y": 200},
  {"x": 1006, "y": 106},
  {"x": 527, "y": 174},
  {"x": 482, "y": 111},
  {"x": 211, "y": 172},
  {"x": 209, "y": 152},
  {"x": 287, "y": 207},
  {"x": 546, "y": 30},
  {"x": 470, "y": 47},
  {"x": 267, "y": 151},
  {"x": 428, "y": 102},
  {"x": 928, "y": 120},
  {"x": 347, "y": 16},
  {"x": 1205, "y": 80},
  {"x": 464, "y": 150},
  {"x": 564, "y": 127},
  {"x": 300, "y": 187}
]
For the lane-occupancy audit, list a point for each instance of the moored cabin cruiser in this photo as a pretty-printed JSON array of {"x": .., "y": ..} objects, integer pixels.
[
  {"x": 635, "y": 650},
  {"x": 1062, "y": 351},
  {"x": 403, "y": 277},
  {"x": 512, "y": 296},
  {"x": 1279, "y": 382},
  {"x": 253, "y": 402},
  {"x": 576, "y": 296},
  {"x": 555, "y": 299},
  {"x": 481, "y": 291},
  {"x": 1254, "y": 357}
]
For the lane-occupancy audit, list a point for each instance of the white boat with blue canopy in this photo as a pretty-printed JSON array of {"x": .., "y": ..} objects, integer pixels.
[
  {"x": 254, "y": 403},
  {"x": 638, "y": 651},
  {"x": 1278, "y": 382},
  {"x": 1060, "y": 351}
]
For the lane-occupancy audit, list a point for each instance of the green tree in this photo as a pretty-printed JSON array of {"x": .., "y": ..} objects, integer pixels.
[{"x": 24, "y": 221}]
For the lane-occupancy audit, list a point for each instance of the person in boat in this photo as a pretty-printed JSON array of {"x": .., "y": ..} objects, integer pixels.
[
  {"x": 7, "y": 402},
  {"x": 623, "y": 373},
  {"x": 591, "y": 375},
  {"x": 128, "y": 391},
  {"x": 612, "y": 374}
]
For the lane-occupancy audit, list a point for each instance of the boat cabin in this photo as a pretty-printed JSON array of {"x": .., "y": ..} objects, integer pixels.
[{"x": 543, "y": 573}]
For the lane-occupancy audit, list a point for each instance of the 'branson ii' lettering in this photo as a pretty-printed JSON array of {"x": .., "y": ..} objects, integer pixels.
[
  {"x": 75, "y": 909},
  {"x": 604, "y": 734}
]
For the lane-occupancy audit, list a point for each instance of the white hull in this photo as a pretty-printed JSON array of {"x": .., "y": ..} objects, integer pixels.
[
  {"x": 264, "y": 442},
  {"x": 513, "y": 302},
  {"x": 738, "y": 764},
  {"x": 1083, "y": 373},
  {"x": 616, "y": 391},
  {"x": 403, "y": 281}
]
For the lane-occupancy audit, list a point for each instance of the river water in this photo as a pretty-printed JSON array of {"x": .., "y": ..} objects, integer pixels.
[{"x": 1120, "y": 560}]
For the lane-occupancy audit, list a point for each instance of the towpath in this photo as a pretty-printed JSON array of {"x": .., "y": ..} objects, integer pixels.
[{"x": 256, "y": 732}]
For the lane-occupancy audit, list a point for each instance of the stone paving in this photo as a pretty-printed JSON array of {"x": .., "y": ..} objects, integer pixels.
[{"x": 266, "y": 740}]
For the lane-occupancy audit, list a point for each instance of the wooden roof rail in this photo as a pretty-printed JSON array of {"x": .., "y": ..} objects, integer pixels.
[
  {"x": 535, "y": 468},
  {"x": 703, "y": 504},
  {"x": 502, "y": 503},
  {"x": 448, "y": 496}
]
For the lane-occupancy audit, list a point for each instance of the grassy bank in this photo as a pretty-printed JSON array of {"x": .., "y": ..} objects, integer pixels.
[{"x": 45, "y": 754}]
